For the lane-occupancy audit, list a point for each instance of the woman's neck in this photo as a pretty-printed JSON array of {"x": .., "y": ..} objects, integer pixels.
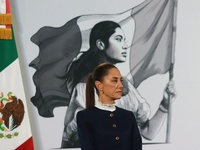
[
  {"x": 105, "y": 100},
  {"x": 104, "y": 59}
]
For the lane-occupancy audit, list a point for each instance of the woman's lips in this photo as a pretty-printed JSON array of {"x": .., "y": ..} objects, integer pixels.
[{"x": 124, "y": 54}]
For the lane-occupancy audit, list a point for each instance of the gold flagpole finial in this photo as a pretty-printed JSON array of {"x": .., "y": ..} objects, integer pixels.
[{"x": 5, "y": 33}]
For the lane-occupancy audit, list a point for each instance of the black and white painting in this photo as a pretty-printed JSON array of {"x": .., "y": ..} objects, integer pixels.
[{"x": 142, "y": 47}]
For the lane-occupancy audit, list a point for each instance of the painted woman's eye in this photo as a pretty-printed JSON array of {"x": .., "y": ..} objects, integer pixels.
[{"x": 119, "y": 39}]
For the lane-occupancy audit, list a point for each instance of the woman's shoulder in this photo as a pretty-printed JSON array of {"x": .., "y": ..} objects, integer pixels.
[
  {"x": 125, "y": 111},
  {"x": 87, "y": 113},
  {"x": 79, "y": 89},
  {"x": 80, "y": 85},
  {"x": 126, "y": 115},
  {"x": 87, "y": 110}
]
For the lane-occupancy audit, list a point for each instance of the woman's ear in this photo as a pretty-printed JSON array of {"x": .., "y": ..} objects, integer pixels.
[
  {"x": 98, "y": 85},
  {"x": 100, "y": 44}
]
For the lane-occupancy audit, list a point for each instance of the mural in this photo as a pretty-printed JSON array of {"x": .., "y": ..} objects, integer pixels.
[{"x": 143, "y": 43}]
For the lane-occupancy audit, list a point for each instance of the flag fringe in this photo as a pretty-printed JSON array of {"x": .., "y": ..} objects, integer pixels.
[
  {"x": 5, "y": 33},
  {"x": 5, "y": 19}
]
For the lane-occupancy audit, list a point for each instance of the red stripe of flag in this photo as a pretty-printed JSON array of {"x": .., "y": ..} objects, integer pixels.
[
  {"x": 7, "y": 10},
  {"x": 7, "y": 6},
  {"x": 27, "y": 145}
]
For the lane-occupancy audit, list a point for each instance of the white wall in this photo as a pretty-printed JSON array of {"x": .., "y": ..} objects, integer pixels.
[{"x": 30, "y": 15}]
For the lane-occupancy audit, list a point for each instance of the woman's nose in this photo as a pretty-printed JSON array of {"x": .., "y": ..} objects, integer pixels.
[
  {"x": 125, "y": 46},
  {"x": 120, "y": 84}
]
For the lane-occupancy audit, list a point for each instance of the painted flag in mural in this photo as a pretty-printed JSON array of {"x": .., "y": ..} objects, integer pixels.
[
  {"x": 15, "y": 131},
  {"x": 149, "y": 29}
]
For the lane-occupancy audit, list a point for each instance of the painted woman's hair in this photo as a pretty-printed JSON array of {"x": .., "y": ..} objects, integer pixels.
[
  {"x": 97, "y": 75},
  {"x": 103, "y": 31},
  {"x": 90, "y": 59}
]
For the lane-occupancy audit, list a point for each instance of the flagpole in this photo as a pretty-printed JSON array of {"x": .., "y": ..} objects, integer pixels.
[
  {"x": 169, "y": 115},
  {"x": 171, "y": 74}
]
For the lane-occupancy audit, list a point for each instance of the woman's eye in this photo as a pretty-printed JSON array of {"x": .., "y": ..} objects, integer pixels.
[{"x": 119, "y": 39}]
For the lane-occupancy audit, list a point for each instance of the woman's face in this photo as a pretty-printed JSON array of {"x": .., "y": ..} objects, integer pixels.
[
  {"x": 112, "y": 85},
  {"x": 117, "y": 50}
]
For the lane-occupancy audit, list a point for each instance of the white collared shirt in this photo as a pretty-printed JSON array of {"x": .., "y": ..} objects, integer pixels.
[{"x": 108, "y": 107}]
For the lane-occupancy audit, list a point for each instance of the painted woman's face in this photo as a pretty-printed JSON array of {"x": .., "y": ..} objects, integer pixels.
[{"x": 117, "y": 50}]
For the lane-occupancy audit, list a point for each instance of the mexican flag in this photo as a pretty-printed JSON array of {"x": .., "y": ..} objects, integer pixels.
[{"x": 15, "y": 131}]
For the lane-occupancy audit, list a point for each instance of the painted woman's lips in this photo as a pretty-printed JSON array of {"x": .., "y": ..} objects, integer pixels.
[{"x": 124, "y": 54}]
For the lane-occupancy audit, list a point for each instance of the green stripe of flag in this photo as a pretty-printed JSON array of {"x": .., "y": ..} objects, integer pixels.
[{"x": 8, "y": 52}]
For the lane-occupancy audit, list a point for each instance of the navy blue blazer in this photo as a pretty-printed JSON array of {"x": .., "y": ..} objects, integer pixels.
[{"x": 104, "y": 130}]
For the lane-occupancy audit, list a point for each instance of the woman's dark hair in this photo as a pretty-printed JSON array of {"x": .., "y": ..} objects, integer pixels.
[
  {"x": 103, "y": 31},
  {"x": 97, "y": 75},
  {"x": 90, "y": 59}
]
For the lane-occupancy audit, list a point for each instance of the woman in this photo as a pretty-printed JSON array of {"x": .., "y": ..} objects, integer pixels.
[
  {"x": 104, "y": 126},
  {"x": 108, "y": 44}
]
